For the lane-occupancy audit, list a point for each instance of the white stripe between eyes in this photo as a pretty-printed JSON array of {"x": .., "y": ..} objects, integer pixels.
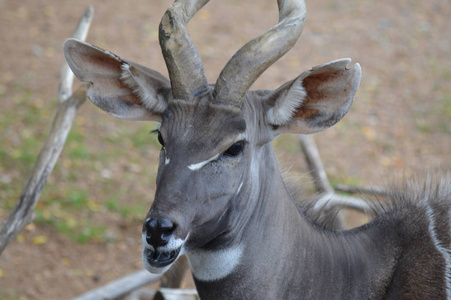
[{"x": 197, "y": 166}]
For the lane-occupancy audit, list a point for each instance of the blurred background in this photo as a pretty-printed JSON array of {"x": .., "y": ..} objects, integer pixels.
[{"x": 88, "y": 220}]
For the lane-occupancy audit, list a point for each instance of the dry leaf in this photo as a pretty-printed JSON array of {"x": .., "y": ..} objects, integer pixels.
[
  {"x": 65, "y": 261},
  {"x": 49, "y": 11},
  {"x": 20, "y": 238},
  {"x": 399, "y": 163},
  {"x": 385, "y": 161},
  {"x": 204, "y": 15},
  {"x": 34, "y": 31},
  {"x": 47, "y": 215},
  {"x": 71, "y": 222},
  {"x": 93, "y": 206},
  {"x": 369, "y": 133},
  {"x": 50, "y": 52},
  {"x": 30, "y": 227},
  {"x": 40, "y": 239}
]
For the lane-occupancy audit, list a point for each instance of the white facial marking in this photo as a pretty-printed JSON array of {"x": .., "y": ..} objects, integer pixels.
[
  {"x": 214, "y": 265},
  {"x": 445, "y": 252},
  {"x": 172, "y": 245},
  {"x": 197, "y": 166},
  {"x": 239, "y": 188},
  {"x": 167, "y": 161}
]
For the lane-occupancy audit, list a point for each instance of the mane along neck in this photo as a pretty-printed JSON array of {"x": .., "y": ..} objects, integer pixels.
[{"x": 362, "y": 263}]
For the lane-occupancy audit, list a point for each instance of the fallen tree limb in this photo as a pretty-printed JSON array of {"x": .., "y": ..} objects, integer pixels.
[
  {"x": 350, "y": 202},
  {"x": 328, "y": 201},
  {"x": 121, "y": 287},
  {"x": 314, "y": 163},
  {"x": 22, "y": 214},
  {"x": 319, "y": 175},
  {"x": 66, "y": 74},
  {"x": 68, "y": 104}
]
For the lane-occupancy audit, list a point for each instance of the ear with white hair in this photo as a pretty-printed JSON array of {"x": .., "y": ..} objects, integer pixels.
[
  {"x": 315, "y": 100},
  {"x": 122, "y": 89}
]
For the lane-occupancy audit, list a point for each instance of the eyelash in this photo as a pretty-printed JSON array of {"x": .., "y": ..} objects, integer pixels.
[
  {"x": 235, "y": 149},
  {"x": 160, "y": 138}
]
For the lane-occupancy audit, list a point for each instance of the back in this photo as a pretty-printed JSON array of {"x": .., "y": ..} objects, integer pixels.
[{"x": 421, "y": 210}]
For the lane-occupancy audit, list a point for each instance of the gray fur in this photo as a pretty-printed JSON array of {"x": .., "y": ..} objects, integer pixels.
[{"x": 232, "y": 215}]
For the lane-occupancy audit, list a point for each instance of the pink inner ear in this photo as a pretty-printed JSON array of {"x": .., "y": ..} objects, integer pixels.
[
  {"x": 109, "y": 92},
  {"x": 330, "y": 87},
  {"x": 88, "y": 62},
  {"x": 330, "y": 90},
  {"x": 327, "y": 92}
]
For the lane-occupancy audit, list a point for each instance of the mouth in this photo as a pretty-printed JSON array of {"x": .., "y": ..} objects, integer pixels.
[{"x": 159, "y": 259}]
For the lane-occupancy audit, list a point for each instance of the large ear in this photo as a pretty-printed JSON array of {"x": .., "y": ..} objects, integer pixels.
[
  {"x": 122, "y": 89},
  {"x": 316, "y": 100}
]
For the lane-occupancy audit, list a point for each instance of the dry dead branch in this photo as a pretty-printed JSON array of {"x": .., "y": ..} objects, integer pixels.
[
  {"x": 322, "y": 185},
  {"x": 121, "y": 287},
  {"x": 315, "y": 164},
  {"x": 370, "y": 190},
  {"x": 68, "y": 104}
]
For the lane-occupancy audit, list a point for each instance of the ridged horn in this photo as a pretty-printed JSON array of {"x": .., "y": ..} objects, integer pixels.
[
  {"x": 257, "y": 55},
  {"x": 185, "y": 67}
]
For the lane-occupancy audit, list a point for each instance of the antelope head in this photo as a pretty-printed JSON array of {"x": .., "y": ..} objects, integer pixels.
[{"x": 216, "y": 161}]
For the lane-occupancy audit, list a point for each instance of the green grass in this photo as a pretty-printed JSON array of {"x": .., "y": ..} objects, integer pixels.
[
  {"x": 134, "y": 212},
  {"x": 77, "y": 201},
  {"x": 73, "y": 216},
  {"x": 345, "y": 179},
  {"x": 112, "y": 204},
  {"x": 437, "y": 118},
  {"x": 131, "y": 212},
  {"x": 83, "y": 233},
  {"x": 10, "y": 295},
  {"x": 79, "y": 152}
]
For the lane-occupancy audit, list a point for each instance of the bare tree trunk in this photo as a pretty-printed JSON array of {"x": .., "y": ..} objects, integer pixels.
[
  {"x": 68, "y": 104},
  {"x": 320, "y": 179},
  {"x": 66, "y": 74},
  {"x": 315, "y": 164}
]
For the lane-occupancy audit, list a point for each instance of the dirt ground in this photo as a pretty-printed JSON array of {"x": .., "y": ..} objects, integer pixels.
[{"x": 399, "y": 125}]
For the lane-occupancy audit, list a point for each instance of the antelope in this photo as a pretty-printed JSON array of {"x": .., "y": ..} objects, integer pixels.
[{"x": 220, "y": 198}]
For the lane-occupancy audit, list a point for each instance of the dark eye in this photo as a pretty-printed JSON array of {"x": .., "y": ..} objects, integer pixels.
[
  {"x": 235, "y": 149},
  {"x": 160, "y": 139}
]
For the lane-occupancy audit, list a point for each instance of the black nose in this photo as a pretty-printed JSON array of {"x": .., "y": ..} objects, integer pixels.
[{"x": 158, "y": 231}]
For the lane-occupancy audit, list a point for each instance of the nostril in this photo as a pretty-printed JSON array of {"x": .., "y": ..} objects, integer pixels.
[
  {"x": 160, "y": 224},
  {"x": 159, "y": 231}
]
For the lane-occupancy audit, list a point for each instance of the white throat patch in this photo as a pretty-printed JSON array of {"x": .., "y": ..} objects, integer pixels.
[{"x": 214, "y": 265}]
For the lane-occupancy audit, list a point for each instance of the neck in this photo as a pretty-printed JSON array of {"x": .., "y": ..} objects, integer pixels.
[{"x": 276, "y": 253}]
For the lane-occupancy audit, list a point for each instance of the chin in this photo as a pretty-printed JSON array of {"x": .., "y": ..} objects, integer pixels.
[{"x": 159, "y": 261}]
